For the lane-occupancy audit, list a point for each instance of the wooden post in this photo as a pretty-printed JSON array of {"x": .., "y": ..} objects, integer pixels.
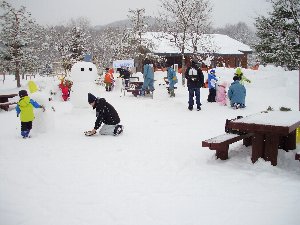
[
  {"x": 258, "y": 146},
  {"x": 271, "y": 148},
  {"x": 291, "y": 141},
  {"x": 247, "y": 141},
  {"x": 222, "y": 152}
]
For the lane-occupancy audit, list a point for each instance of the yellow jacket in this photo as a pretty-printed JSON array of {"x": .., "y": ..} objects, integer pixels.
[{"x": 25, "y": 109}]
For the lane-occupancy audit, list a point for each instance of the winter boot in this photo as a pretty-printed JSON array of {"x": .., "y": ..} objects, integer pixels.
[
  {"x": 198, "y": 107},
  {"x": 25, "y": 133},
  {"x": 172, "y": 94},
  {"x": 118, "y": 130},
  {"x": 190, "y": 107}
]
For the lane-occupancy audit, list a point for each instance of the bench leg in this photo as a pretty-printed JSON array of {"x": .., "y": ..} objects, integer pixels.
[
  {"x": 258, "y": 146},
  {"x": 291, "y": 141},
  {"x": 222, "y": 152},
  {"x": 288, "y": 142},
  {"x": 247, "y": 141},
  {"x": 271, "y": 148}
]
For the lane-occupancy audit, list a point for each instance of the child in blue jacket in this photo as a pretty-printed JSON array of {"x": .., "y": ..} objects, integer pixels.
[
  {"x": 212, "y": 81},
  {"x": 172, "y": 78},
  {"x": 237, "y": 94}
]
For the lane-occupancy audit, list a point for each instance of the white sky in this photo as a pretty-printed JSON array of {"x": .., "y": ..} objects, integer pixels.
[{"x": 101, "y": 12}]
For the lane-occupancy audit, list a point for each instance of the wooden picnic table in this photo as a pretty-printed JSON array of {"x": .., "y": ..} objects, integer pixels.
[
  {"x": 271, "y": 130},
  {"x": 4, "y": 103}
]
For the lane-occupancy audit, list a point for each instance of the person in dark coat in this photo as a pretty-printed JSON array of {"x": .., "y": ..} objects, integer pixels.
[
  {"x": 195, "y": 80},
  {"x": 105, "y": 114},
  {"x": 125, "y": 74}
]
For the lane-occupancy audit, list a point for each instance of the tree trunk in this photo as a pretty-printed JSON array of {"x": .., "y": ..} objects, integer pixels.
[
  {"x": 18, "y": 73},
  {"x": 139, "y": 66},
  {"x": 183, "y": 65},
  {"x": 183, "y": 70}
]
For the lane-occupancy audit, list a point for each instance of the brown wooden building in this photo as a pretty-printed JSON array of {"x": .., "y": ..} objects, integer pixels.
[{"x": 224, "y": 51}]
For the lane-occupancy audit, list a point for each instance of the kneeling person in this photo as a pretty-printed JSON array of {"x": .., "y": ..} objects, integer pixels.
[{"x": 105, "y": 114}]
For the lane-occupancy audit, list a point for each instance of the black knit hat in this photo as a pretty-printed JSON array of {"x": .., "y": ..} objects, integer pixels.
[
  {"x": 23, "y": 93},
  {"x": 91, "y": 98},
  {"x": 236, "y": 78}
]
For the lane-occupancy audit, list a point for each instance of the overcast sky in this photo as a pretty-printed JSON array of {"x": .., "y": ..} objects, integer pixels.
[{"x": 101, "y": 12}]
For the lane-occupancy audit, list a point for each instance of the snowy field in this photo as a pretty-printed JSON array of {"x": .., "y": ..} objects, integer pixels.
[{"x": 156, "y": 172}]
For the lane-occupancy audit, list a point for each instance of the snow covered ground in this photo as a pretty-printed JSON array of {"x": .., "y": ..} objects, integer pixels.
[{"x": 156, "y": 172}]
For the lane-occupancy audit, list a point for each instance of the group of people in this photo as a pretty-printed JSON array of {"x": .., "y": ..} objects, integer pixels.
[
  {"x": 236, "y": 91},
  {"x": 217, "y": 91},
  {"x": 107, "y": 117}
]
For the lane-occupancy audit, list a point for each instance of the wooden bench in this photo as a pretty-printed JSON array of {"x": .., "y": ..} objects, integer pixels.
[
  {"x": 221, "y": 143},
  {"x": 138, "y": 79},
  {"x": 5, "y": 106},
  {"x": 135, "y": 87},
  {"x": 4, "y": 103}
]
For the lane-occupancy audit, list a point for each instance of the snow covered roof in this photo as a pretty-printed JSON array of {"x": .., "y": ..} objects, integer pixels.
[{"x": 219, "y": 43}]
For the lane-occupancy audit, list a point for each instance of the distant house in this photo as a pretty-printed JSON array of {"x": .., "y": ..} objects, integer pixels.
[{"x": 223, "y": 50}]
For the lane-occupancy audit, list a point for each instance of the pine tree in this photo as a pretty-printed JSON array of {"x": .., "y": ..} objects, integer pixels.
[
  {"x": 279, "y": 34},
  {"x": 17, "y": 25},
  {"x": 77, "y": 44}
]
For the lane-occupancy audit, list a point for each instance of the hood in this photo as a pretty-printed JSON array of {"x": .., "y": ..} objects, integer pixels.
[
  {"x": 238, "y": 71},
  {"x": 25, "y": 101}
]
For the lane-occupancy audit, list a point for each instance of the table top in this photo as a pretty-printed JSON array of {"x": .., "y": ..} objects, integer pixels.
[{"x": 281, "y": 122}]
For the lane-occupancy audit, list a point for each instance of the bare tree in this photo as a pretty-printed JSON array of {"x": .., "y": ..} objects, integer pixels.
[
  {"x": 240, "y": 31},
  {"x": 185, "y": 21},
  {"x": 139, "y": 46}
]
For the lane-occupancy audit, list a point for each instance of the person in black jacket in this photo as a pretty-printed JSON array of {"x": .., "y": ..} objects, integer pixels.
[
  {"x": 105, "y": 114},
  {"x": 125, "y": 74},
  {"x": 195, "y": 80}
]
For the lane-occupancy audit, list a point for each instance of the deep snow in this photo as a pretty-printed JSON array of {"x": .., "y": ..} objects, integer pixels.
[{"x": 156, "y": 172}]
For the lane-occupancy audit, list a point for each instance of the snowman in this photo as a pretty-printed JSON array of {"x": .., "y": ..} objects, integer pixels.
[{"x": 83, "y": 75}]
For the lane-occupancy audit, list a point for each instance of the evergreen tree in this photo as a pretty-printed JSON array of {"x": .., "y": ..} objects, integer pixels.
[
  {"x": 279, "y": 34},
  {"x": 77, "y": 44},
  {"x": 16, "y": 27}
]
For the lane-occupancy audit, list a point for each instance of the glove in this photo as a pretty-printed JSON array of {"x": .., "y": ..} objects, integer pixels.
[
  {"x": 18, "y": 115},
  {"x": 89, "y": 133},
  {"x": 43, "y": 107}
]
